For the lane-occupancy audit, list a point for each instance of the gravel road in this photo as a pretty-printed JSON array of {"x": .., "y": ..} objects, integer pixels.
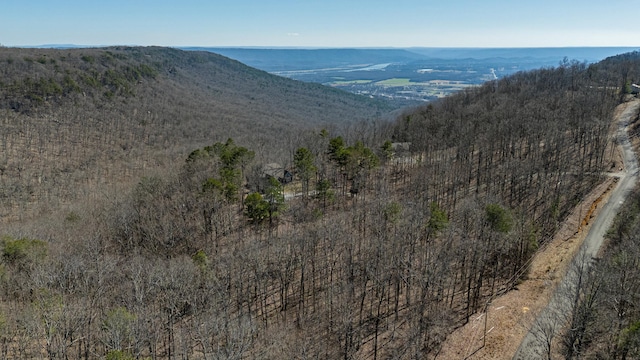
[{"x": 537, "y": 342}]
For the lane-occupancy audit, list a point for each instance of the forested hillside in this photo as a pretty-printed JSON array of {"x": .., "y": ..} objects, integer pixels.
[
  {"x": 390, "y": 235},
  {"x": 601, "y": 319},
  {"x": 74, "y": 121},
  {"x": 604, "y": 321}
]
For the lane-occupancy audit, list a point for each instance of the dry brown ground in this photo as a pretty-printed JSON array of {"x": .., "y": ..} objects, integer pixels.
[{"x": 510, "y": 316}]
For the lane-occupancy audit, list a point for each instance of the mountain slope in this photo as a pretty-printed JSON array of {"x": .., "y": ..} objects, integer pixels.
[
  {"x": 72, "y": 119},
  {"x": 393, "y": 252}
]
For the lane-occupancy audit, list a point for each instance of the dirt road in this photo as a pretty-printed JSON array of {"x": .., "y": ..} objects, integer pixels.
[{"x": 538, "y": 342}]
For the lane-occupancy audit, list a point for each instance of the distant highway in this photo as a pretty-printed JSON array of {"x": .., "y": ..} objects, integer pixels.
[{"x": 550, "y": 320}]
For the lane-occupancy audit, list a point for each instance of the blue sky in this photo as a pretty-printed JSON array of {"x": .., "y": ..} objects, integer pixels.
[{"x": 321, "y": 23}]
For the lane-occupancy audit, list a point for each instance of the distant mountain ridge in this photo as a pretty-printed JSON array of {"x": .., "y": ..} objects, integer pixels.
[
  {"x": 288, "y": 59},
  {"x": 274, "y": 60},
  {"x": 589, "y": 54}
]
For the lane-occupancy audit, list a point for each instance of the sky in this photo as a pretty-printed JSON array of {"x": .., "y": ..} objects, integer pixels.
[{"x": 321, "y": 23}]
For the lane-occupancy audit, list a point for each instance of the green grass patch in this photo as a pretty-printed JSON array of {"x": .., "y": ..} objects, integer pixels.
[
  {"x": 351, "y": 82},
  {"x": 396, "y": 82}
]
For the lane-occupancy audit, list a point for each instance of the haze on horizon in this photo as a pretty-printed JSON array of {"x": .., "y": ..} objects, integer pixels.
[{"x": 328, "y": 23}]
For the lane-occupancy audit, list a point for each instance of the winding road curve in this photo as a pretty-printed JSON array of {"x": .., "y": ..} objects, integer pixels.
[{"x": 537, "y": 341}]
